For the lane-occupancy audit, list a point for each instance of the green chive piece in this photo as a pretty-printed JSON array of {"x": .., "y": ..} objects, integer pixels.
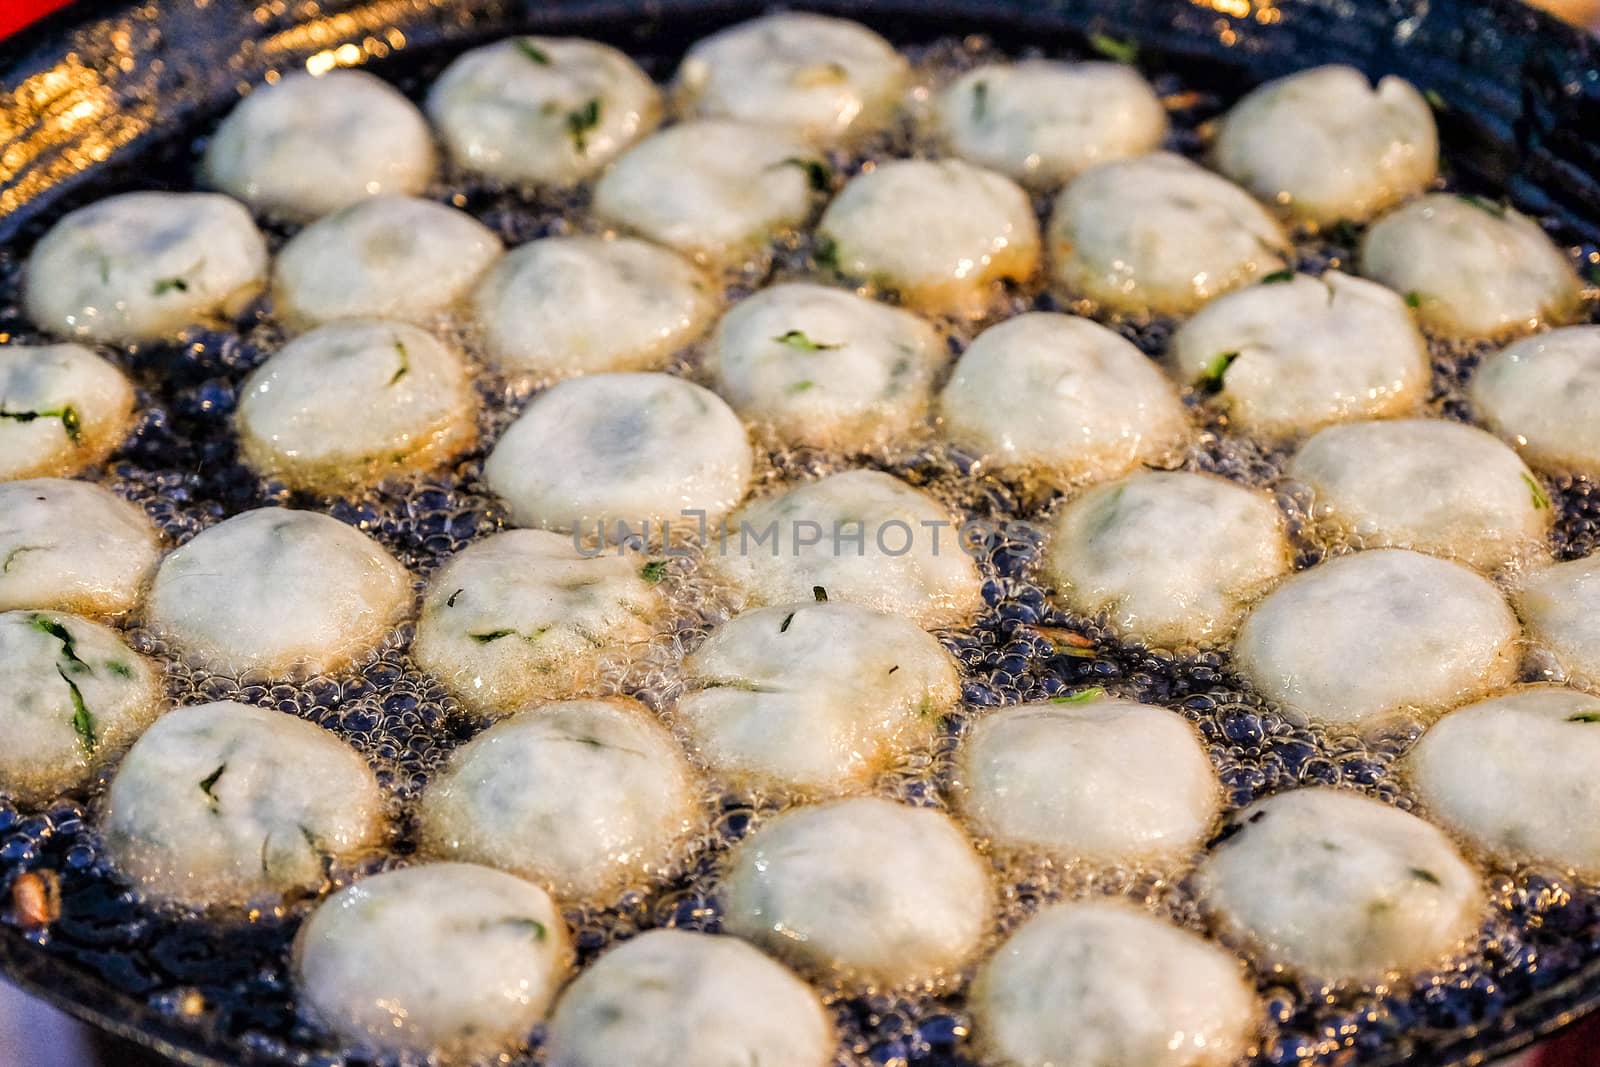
[
  {"x": 1115, "y": 48},
  {"x": 1422, "y": 874},
  {"x": 819, "y": 594},
  {"x": 169, "y": 285},
  {"x": 209, "y": 782},
  {"x": 1212, "y": 373},
  {"x": 980, "y": 101},
  {"x": 1585, "y": 716},
  {"x": 818, "y": 176},
  {"x": 1082, "y": 696},
  {"x": 800, "y": 387},
  {"x": 787, "y": 619},
  {"x": 533, "y": 51},
  {"x": 1498, "y": 210},
  {"x": 581, "y": 121},
  {"x": 492, "y": 635},
  {"x": 82, "y": 721},
  {"x": 654, "y": 571},
  {"x": 405, "y": 361},
  {"x": 1541, "y": 499},
  {"x": 797, "y": 339},
  {"x": 1284, "y": 275}
]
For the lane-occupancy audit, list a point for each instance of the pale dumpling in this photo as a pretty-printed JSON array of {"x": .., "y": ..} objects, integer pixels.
[
  {"x": 1063, "y": 398},
  {"x": 1171, "y": 557},
  {"x": 825, "y": 367},
  {"x": 142, "y": 266},
  {"x": 803, "y": 545},
  {"x": 229, "y": 804},
  {"x": 1437, "y": 486},
  {"x": 580, "y": 796},
  {"x": 866, "y": 888},
  {"x": 280, "y": 592},
  {"x": 307, "y": 145},
  {"x": 542, "y": 110},
  {"x": 1297, "y": 353},
  {"x": 1471, "y": 268},
  {"x": 1338, "y": 886},
  {"x": 939, "y": 233},
  {"x": 62, "y": 408},
  {"x": 826, "y": 78},
  {"x": 1560, "y": 606},
  {"x": 1327, "y": 145},
  {"x": 1377, "y": 632},
  {"x": 1043, "y": 122},
  {"x": 814, "y": 698},
  {"x": 1542, "y": 393},
  {"x": 73, "y": 546},
  {"x": 1159, "y": 234}
]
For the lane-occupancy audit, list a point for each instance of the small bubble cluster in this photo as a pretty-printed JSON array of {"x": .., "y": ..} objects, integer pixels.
[{"x": 224, "y": 981}]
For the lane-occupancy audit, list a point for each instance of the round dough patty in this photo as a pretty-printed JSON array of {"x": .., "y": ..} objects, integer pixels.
[
  {"x": 825, "y": 367},
  {"x": 1514, "y": 775},
  {"x": 524, "y": 615},
  {"x": 712, "y": 189},
  {"x": 1364, "y": 635},
  {"x": 1325, "y": 144},
  {"x": 937, "y": 232},
  {"x": 815, "y": 698},
  {"x": 561, "y": 306},
  {"x": 668, "y": 998},
  {"x": 62, "y": 408},
  {"x": 1170, "y": 556},
  {"x": 1561, "y": 606},
  {"x": 545, "y": 110},
  {"x": 386, "y": 257},
  {"x": 645, "y": 450},
  {"x": 72, "y": 696},
  {"x": 825, "y": 78},
  {"x": 227, "y": 804},
  {"x": 445, "y": 958},
  {"x": 308, "y": 145},
  {"x": 1542, "y": 393},
  {"x": 1062, "y": 396},
  {"x": 1044, "y": 122},
  {"x": 416, "y": 404},
  {"x": 1159, "y": 234},
  {"x": 286, "y": 593},
  {"x": 582, "y": 796},
  {"x": 142, "y": 266},
  {"x": 72, "y": 546},
  {"x": 1295, "y": 355},
  {"x": 880, "y": 891},
  {"x": 1088, "y": 778},
  {"x": 1470, "y": 267},
  {"x": 1099, "y": 982},
  {"x": 802, "y": 545},
  {"x": 1338, "y": 886},
  {"x": 1436, "y": 486}
]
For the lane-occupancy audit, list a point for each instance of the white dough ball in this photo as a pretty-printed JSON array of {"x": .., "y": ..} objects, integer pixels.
[
  {"x": 142, "y": 266},
  {"x": 386, "y": 257},
  {"x": 1044, "y": 122},
  {"x": 1560, "y": 605},
  {"x": 1368, "y": 634},
  {"x": 1437, "y": 486},
  {"x": 825, "y": 367},
  {"x": 814, "y": 698},
  {"x": 1159, "y": 234},
  {"x": 880, "y": 891},
  {"x": 1062, "y": 397},
  {"x": 309, "y": 145},
  {"x": 562, "y": 306},
  {"x": 73, "y": 546},
  {"x": 939, "y": 233},
  {"x": 581, "y": 796},
  {"x": 1289, "y": 357},
  {"x": 228, "y": 804},
  {"x": 1471, "y": 268},
  {"x": 62, "y": 408},
  {"x": 544, "y": 110},
  {"x": 712, "y": 189},
  {"x": 72, "y": 696},
  {"x": 1542, "y": 394},
  {"x": 525, "y": 615},
  {"x": 860, "y": 536},
  {"x": 286, "y": 593},
  {"x": 445, "y": 958},
  {"x": 639, "y": 449},
  {"x": 1097, "y": 983},
  {"x": 1087, "y": 778},
  {"x": 1172, "y": 557},
  {"x": 1326, "y": 145},
  {"x": 1514, "y": 775},
  {"x": 669, "y": 998},
  {"x": 827, "y": 79},
  {"x": 1337, "y": 886},
  {"x": 417, "y": 408}
]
